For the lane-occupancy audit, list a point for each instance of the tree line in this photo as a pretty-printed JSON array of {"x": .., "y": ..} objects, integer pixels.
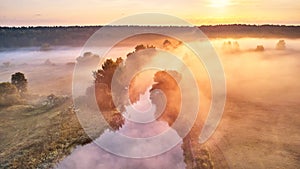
[{"x": 12, "y": 37}]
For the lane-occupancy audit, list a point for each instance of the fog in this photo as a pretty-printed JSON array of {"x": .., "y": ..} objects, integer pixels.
[
  {"x": 268, "y": 76},
  {"x": 124, "y": 148},
  {"x": 48, "y": 71},
  {"x": 91, "y": 156},
  {"x": 268, "y": 80}
]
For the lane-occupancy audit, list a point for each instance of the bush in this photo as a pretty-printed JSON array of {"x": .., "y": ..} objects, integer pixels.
[
  {"x": 9, "y": 94},
  {"x": 260, "y": 48},
  {"x": 281, "y": 45}
]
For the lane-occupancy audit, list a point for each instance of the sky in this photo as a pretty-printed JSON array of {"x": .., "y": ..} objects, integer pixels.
[{"x": 101, "y": 12}]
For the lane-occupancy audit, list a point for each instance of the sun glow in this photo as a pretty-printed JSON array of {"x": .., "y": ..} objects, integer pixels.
[{"x": 219, "y": 3}]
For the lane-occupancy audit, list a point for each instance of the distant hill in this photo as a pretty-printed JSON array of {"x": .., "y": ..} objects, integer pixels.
[{"x": 11, "y": 37}]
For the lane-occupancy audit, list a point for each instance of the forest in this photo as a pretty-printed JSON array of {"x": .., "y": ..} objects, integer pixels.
[{"x": 14, "y": 37}]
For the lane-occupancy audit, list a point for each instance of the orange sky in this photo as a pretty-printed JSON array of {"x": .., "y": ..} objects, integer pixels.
[{"x": 98, "y": 12}]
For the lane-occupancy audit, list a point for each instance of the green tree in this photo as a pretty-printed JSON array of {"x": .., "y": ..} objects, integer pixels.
[{"x": 18, "y": 79}]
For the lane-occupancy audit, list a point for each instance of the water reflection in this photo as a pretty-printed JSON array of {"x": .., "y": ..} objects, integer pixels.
[
  {"x": 141, "y": 131},
  {"x": 150, "y": 153},
  {"x": 92, "y": 156}
]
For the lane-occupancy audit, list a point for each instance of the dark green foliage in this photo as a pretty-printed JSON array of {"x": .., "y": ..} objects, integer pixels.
[
  {"x": 76, "y": 36},
  {"x": 37, "y": 36},
  {"x": 18, "y": 79}
]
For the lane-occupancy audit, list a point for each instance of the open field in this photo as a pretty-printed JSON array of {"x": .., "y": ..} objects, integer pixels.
[{"x": 259, "y": 129}]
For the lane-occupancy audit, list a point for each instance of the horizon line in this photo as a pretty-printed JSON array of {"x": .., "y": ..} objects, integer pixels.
[{"x": 64, "y": 26}]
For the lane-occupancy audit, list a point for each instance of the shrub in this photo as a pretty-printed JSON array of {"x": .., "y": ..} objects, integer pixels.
[
  {"x": 281, "y": 45},
  {"x": 9, "y": 94}
]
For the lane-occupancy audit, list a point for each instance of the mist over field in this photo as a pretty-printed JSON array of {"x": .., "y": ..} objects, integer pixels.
[
  {"x": 211, "y": 84},
  {"x": 243, "y": 67},
  {"x": 260, "y": 122}
]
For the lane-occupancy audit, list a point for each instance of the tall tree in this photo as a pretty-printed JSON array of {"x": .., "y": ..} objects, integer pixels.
[{"x": 18, "y": 79}]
